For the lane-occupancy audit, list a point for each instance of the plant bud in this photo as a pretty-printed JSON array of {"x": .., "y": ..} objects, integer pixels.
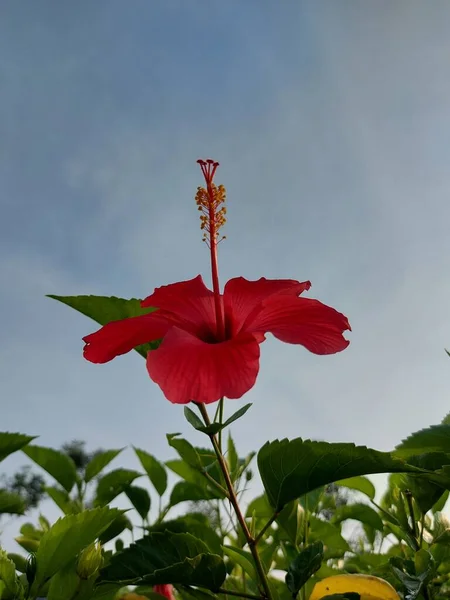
[{"x": 90, "y": 561}]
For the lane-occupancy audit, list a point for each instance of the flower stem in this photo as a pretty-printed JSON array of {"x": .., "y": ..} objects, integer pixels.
[{"x": 234, "y": 502}]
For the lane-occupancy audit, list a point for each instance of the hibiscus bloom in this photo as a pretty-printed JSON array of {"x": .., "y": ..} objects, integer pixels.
[
  {"x": 195, "y": 361},
  {"x": 164, "y": 590}
]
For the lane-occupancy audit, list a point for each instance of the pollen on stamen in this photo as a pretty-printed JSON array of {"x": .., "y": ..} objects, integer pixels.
[{"x": 210, "y": 202}]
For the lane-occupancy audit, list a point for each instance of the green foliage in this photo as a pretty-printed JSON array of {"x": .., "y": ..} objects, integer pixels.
[
  {"x": 103, "y": 310},
  {"x": 177, "y": 558},
  {"x": 11, "y": 503},
  {"x": 140, "y": 499},
  {"x": 213, "y": 428},
  {"x": 98, "y": 462},
  {"x": 154, "y": 469},
  {"x": 114, "y": 483},
  {"x": 197, "y": 525},
  {"x": 290, "y": 469},
  {"x": 60, "y": 466},
  {"x": 306, "y": 563},
  {"x": 11, "y": 442},
  {"x": 432, "y": 439}
]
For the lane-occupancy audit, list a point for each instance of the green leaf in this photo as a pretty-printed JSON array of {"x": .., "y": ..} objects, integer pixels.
[
  {"x": 186, "y": 472},
  {"x": 19, "y": 561},
  {"x": 360, "y": 484},
  {"x": 120, "y": 523},
  {"x": 104, "y": 309},
  {"x": 67, "y": 537},
  {"x": 359, "y": 512},
  {"x": 99, "y": 462},
  {"x": 11, "y": 442},
  {"x": 197, "y": 525},
  {"x": 61, "y": 498},
  {"x": 8, "y": 575},
  {"x": 237, "y": 415},
  {"x": 11, "y": 503},
  {"x": 330, "y": 535},
  {"x": 290, "y": 519},
  {"x": 114, "y": 483},
  {"x": 154, "y": 469},
  {"x": 243, "y": 558},
  {"x": 183, "y": 491},
  {"x": 232, "y": 458},
  {"x": 303, "y": 567},
  {"x": 57, "y": 464},
  {"x": 140, "y": 499},
  {"x": 186, "y": 451},
  {"x": 177, "y": 558},
  {"x": 64, "y": 584},
  {"x": 433, "y": 439},
  {"x": 290, "y": 469}
]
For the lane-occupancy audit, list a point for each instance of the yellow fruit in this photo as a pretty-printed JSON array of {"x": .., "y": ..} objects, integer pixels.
[{"x": 369, "y": 587}]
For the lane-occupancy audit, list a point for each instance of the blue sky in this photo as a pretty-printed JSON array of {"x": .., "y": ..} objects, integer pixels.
[{"x": 331, "y": 122}]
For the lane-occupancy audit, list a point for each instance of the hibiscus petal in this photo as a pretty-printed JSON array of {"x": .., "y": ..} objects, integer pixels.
[
  {"x": 119, "y": 337},
  {"x": 242, "y": 298},
  {"x": 303, "y": 321},
  {"x": 188, "y": 369},
  {"x": 190, "y": 304}
]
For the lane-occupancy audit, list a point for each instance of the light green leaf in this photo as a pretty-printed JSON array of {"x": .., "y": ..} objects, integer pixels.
[
  {"x": 68, "y": 536},
  {"x": 8, "y": 574},
  {"x": 177, "y": 558},
  {"x": 154, "y": 469},
  {"x": 183, "y": 491},
  {"x": 57, "y": 464},
  {"x": 61, "y": 498},
  {"x": 104, "y": 309},
  {"x": 11, "y": 442},
  {"x": 186, "y": 451},
  {"x": 359, "y": 512},
  {"x": 11, "y": 503},
  {"x": 243, "y": 558},
  {"x": 99, "y": 462},
  {"x": 290, "y": 469},
  {"x": 360, "y": 484},
  {"x": 64, "y": 584}
]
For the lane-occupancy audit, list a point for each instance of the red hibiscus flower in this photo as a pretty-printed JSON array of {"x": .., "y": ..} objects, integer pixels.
[
  {"x": 165, "y": 590},
  {"x": 211, "y": 341}
]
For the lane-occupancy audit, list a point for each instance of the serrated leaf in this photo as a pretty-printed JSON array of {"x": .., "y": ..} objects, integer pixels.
[
  {"x": 104, "y": 309},
  {"x": 359, "y": 512},
  {"x": 12, "y": 442},
  {"x": 190, "y": 523},
  {"x": 154, "y": 469},
  {"x": 11, "y": 503},
  {"x": 114, "y": 483},
  {"x": 99, "y": 462},
  {"x": 306, "y": 563},
  {"x": 290, "y": 469},
  {"x": 57, "y": 464},
  {"x": 67, "y": 537},
  {"x": 8, "y": 574},
  {"x": 432, "y": 439},
  {"x": 177, "y": 558},
  {"x": 140, "y": 499},
  {"x": 360, "y": 484}
]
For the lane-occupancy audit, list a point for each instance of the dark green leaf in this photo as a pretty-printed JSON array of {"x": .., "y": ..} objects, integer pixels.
[
  {"x": 360, "y": 484},
  {"x": 428, "y": 489},
  {"x": 67, "y": 537},
  {"x": 306, "y": 563},
  {"x": 114, "y": 483},
  {"x": 290, "y": 469},
  {"x": 177, "y": 558},
  {"x": 183, "y": 470},
  {"x": 334, "y": 543},
  {"x": 186, "y": 451},
  {"x": 191, "y": 523},
  {"x": 154, "y": 469},
  {"x": 359, "y": 512},
  {"x": 104, "y": 309},
  {"x": 120, "y": 523},
  {"x": 184, "y": 491},
  {"x": 140, "y": 499},
  {"x": 99, "y": 462},
  {"x": 193, "y": 419},
  {"x": 57, "y": 464},
  {"x": 237, "y": 415},
  {"x": 11, "y": 442},
  {"x": 433, "y": 439},
  {"x": 260, "y": 508},
  {"x": 64, "y": 584},
  {"x": 11, "y": 503}
]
